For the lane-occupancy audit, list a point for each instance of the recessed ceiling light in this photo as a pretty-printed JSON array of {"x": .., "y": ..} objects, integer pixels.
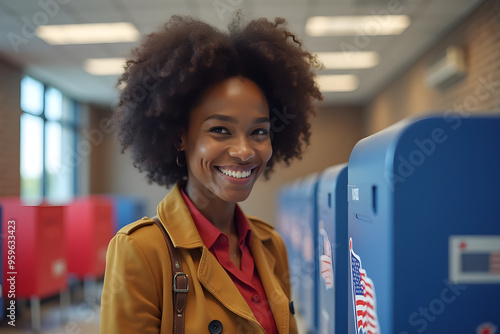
[
  {"x": 349, "y": 60},
  {"x": 88, "y": 33},
  {"x": 104, "y": 66},
  {"x": 337, "y": 82},
  {"x": 357, "y": 25}
]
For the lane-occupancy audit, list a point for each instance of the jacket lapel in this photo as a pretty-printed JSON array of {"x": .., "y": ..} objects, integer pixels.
[
  {"x": 215, "y": 279},
  {"x": 177, "y": 220},
  {"x": 265, "y": 263}
]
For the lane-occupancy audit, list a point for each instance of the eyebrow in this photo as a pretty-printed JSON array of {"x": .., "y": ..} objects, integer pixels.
[{"x": 233, "y": 120}]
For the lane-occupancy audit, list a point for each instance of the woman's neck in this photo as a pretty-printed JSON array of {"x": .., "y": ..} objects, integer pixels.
[{"x": 219, "y": 212}]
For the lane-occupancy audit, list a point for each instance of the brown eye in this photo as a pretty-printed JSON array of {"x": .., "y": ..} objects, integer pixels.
[
  {"x": 260, "y": 132},
  {"x": 219, "y": 129}
]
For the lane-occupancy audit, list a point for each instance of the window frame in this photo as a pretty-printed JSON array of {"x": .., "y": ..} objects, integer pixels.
[{"x": 72, "y": 124}]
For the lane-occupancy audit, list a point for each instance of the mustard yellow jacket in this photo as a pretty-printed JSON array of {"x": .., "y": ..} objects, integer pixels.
[{"x": 137, "y": 293}]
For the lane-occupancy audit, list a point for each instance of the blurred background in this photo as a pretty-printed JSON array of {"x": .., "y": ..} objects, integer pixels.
[{"x": 385, "y": 60}]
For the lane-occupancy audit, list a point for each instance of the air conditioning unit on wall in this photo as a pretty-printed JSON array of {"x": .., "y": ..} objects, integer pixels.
[{"x": 448, "y": 70}]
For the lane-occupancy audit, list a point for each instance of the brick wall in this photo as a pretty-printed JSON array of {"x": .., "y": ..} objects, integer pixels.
[
  {"x": 479, "y": 36},
  {"x": 10, "y": 111}
]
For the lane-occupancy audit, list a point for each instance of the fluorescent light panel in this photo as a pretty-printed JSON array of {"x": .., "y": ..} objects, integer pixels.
[
  {"x": 348, "y": 60},
  {"x": 104, "y": 66},
  {"x": 369, "y": 25},
  {"x": 337, "y": 82},
  {"x": 88, "y": 33}
]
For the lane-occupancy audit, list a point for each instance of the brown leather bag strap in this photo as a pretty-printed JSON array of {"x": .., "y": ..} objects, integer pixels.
[{"x": 180, "y": 281}]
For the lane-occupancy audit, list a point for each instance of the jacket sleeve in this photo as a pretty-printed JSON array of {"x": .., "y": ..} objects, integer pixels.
[
  {"x": 130, "y": 300},
  {"x": 285, "y": 278}
]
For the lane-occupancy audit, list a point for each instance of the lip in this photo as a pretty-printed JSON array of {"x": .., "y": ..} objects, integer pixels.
[{"x": 239, "y": 168}]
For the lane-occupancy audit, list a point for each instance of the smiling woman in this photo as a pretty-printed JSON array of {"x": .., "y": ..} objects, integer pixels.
[{"x": 209, "y": 112}]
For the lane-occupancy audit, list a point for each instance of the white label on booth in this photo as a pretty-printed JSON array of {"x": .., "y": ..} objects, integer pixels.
[
  {"x": 474, "y": 259},
  {"x": 58, "y": 267},
  {"x": 355, "y": 194}
]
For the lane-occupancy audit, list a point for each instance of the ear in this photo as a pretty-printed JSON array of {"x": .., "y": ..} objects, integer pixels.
[{"x": 182, "y": 141}]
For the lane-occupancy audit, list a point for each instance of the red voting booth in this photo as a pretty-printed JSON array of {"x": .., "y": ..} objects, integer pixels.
[
  {"x": 38, "y": 264},
  {"x": 89, "y": 228}
]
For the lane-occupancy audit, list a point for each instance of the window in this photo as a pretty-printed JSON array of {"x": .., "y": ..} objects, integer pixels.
[{"x": 48, "y": 138}]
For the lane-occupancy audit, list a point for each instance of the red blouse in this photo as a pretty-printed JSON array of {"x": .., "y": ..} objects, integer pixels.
[{"x": 247, "y": 278}]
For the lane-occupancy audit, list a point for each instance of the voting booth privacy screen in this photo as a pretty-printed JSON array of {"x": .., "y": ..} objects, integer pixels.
[
  {"x": 89, "y": 225},
  {"x": 312, "y": 219},
  {"x": 424, "y": 227},
  {"x": 297, "y": 225},
  {"x": 38, "y": 263},
  {"x": 126, "y": 209},
  {"x": 331, "y": 249},
  {"x": 406, "y": 237}
]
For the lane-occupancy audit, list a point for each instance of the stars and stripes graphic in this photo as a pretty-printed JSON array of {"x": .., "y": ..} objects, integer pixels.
[
  {"x": 365, "y": 306},
  {"x": 495, "y": 262},
  {"x": 326, "y": 260}
]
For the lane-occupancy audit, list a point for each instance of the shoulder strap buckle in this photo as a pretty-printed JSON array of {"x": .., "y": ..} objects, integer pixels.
[{"x": 181, "y": 279}]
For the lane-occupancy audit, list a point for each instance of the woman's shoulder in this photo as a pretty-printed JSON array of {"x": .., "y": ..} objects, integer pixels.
[
  {"x": 132, "y": 227},
  {"x": 143, "y": 232}
]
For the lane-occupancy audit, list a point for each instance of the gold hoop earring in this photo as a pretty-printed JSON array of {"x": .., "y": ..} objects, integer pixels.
[{"x": 177, "y": 159}]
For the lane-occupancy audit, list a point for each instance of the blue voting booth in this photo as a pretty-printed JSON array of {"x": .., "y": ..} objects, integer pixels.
[
  {"x": 309, "y": 275},
  {"x": 332, "y": 251},
  {"x": 312, "y": 219},
  {"x": 297, "y": 224},
  {"x": 424, "y": 227},
  {"x": 127, "y": 209},
  {"x": 289, "y": 229}
]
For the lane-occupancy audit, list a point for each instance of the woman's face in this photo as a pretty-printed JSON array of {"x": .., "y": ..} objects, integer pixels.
[{"x": 227, "y": 143}]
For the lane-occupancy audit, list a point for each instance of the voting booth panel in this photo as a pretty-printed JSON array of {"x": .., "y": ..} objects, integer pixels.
[
  {"x": 126, "y": 210},
  {"x": 38, "y": 259},
  {"x": 89, "y": 226},
  {"x": 297, "y": 225},
  {"x": 290, "y": 229},
  {"x": 424, "y": 227},
  {"x": 332, "y": 251},
  {"x": 309, "y": 275}
]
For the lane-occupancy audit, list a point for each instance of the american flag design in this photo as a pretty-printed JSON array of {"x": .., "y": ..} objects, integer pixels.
[
  {"x": 365, "y": 306},
  {"x": 326, "y": 260}
]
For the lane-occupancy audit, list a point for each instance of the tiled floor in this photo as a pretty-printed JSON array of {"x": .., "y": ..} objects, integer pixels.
[{"x": 82, "y": 315}]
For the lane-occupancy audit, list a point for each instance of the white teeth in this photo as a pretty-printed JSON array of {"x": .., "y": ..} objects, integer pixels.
[{"x": 237, "y": 175}]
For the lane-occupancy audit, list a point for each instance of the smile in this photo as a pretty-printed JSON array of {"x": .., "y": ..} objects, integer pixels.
[{"x": 237, "y": 174}]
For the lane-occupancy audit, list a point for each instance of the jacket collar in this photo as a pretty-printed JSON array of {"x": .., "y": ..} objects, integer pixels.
[{"x": 176, "y": 218}]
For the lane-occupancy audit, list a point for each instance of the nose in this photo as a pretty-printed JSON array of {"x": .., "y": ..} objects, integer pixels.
[{"x": 242, "y": 149}]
